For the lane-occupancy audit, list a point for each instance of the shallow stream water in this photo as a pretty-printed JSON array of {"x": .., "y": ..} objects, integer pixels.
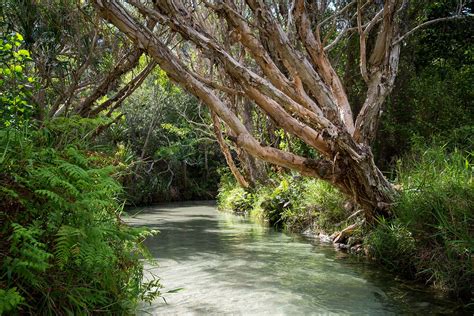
[{"x": 227, "y": 265}]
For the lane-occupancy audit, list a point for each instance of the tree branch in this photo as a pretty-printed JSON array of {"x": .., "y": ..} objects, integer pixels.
[{"x": 449, "y": 18}]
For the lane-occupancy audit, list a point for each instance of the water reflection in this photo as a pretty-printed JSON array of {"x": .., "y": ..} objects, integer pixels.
[{"x": 228, "y": 265}]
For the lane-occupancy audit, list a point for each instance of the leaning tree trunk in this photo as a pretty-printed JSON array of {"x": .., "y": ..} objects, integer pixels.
[
  {"x": 226, "y": 151},
  {"x": 254, "y": 168},
  {"x": 286, "y": 71}
]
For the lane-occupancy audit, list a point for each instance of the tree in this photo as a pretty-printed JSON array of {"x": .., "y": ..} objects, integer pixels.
[
  {"x": 276, "y": 55},
  {"x": 80, "y": 62}
]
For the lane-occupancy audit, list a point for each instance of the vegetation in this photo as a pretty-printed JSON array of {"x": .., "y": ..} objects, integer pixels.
[
  {"x": 432, "y": 236},
  {"x": 282, "y": 60},
  {"x": 64, "y": 248},
  {"x": 289, "y": 202},
  {"x": 290, "y": 97},
  {"x": 170, "y": 141},
  {"x": 429, "y": 237}
]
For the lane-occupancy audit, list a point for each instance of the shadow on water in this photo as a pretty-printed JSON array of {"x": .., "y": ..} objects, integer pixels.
[
  {"x": 181, "y": 240},
  {"x": 223, "y": 260}
]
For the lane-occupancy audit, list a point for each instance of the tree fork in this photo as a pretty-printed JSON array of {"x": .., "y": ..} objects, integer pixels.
[{"x": 294, "y": 84}]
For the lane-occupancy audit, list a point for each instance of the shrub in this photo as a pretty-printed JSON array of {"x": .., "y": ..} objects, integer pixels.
[
  {"x": 16, "y": 87},
  {"x": 393, "y": 245},
  {"x": 282, "y": 202},
  {"x": 431, "y": 237},
  {"x": 290, "y": 202},
  {"x": 437, "y": 207},
  {"x": 232, "y": 197},
  {"x": 326, "y": 203},
  {"x": 64, "y": 249}
]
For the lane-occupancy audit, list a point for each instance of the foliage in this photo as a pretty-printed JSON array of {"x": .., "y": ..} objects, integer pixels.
[
  {"x": 289, "y": 202},
  {"x": 168, "y": 132},
  {"x": 9, "y": 299},
  {"x": 64, "y": 249},
  {"x": 282, "y": 200},
  {"x": 232, "y": 197},
  {"x": 71, "y": 50},
  {"x": 16, "y": 87},
  {"x": 433, "y": 94},
  {"x": 326, "y": 203},
  {"x": 434, "y": 209},
  {"x": 393, "y": 244}
]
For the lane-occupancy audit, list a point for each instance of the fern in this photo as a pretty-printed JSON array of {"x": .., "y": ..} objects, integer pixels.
[
  {"x": 52, "y": 196},
  {"x": 67, "y": 239},
  {"x": 9, "y": 300},
  {"x": 28, "y": 256},
  {"x": 66, "y": 252},
  {"x": 75, "y": 172},
  {"x": 77, "y": 158}
]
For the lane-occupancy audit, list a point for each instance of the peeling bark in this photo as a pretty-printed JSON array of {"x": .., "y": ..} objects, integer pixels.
[
  {"x": 275, "y": 58},
  {"x": 227, "y": 154}
]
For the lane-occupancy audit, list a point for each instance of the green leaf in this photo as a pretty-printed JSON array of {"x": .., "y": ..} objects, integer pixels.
[{"x": 24, "y": 52}]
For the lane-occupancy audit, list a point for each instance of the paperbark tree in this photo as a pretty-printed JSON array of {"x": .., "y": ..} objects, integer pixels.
[{"x": 286, "y": 72}]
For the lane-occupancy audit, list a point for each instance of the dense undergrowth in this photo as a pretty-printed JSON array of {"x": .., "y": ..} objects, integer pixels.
[
  {"x": 63, "y": 246},
  {"x": 430, "y": 237},
  {"x": 289, "y": 202}
]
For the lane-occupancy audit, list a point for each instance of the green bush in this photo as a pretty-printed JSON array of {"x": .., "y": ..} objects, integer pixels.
[
  {"x": 64, "y": 248},
  {"x": 393, "y": 245},
  {"x": 432, "y": 235},
  {"x": 326, "y": 203},
  {"x": 437, "y": 207},
  {"x": 290, "y": 202},
  {"x": 16, "y": 87},
  {"x": 282, "y": 202},
  {"x": 232, "y": 197}
]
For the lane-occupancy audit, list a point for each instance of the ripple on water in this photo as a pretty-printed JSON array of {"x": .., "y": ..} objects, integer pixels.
[{"x": 228, "y": 265}]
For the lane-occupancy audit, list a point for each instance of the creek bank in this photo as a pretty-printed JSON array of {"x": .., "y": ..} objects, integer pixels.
[
  {"x": 350, "y": 244},
  {"x": 428, "y": 239},
  {"x": 256, "y": 270}
]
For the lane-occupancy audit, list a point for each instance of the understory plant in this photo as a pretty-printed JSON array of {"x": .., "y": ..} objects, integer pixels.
[
  {"x": 63, "y": 247},
  {"x": 432, "y": 234},
  {"x": 232, "y": 197},
  {"x": 288, "y": 202}
]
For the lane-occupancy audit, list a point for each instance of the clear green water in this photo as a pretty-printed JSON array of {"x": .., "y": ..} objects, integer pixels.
[{"x": 228, "y": 265}]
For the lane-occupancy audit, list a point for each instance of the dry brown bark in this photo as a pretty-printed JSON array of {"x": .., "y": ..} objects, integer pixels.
[
  {"x": 128, "y": 62},
  {"x": 227, "y": 154},
  {"x": 279, "y": 62}
]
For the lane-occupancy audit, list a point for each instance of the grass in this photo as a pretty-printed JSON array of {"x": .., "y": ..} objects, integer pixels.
[
  {"x": 430, "y": 237},
  {"x": 288, "y": 202}
]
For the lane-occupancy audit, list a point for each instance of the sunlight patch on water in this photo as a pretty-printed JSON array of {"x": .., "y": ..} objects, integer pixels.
[{"x": 229, "y": 265}]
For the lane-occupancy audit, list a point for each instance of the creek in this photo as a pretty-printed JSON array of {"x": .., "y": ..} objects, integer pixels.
[{"x": 227, "y": 264}]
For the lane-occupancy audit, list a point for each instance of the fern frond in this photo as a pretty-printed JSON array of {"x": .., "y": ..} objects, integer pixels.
[
  {"x": 52, "y": 196},
  {"x": 73, "y": 171}
]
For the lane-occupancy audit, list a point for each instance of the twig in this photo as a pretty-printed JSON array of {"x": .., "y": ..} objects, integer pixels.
[{"x": 403, "y": 37}]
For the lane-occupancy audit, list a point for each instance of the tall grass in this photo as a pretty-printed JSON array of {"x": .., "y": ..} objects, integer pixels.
[{"x": 432, "y": 236}]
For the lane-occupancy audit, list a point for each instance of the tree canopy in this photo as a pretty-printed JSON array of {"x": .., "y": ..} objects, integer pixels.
[{"x": 277, "y": 56}]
